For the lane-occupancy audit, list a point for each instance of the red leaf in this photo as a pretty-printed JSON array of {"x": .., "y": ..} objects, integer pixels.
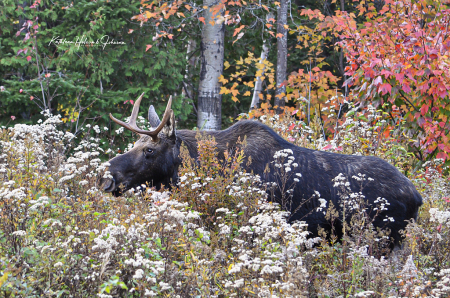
[
  {"x": 202, "y": 19},
  {"x": 406, "y": 88},
  {"x": 149, "y": 46},
  {"x": 385, "y": 88},
  {"x": 424, "y": 109},
  {"x": 31, "y": 97},
  {"x": 283, "y": 84},
  {"x": 28, "y": 58},
  {"x": 442, "y": 155},
  {"x": 13, "y": 117},
  {"x": 329, "y": 146},
  {"x": 294, "y": 112},
  {"x": 386, "y": 73},
  {"x": 21, "y": 90},
  {"x": 291, "y": 126},
  {"x": 339, "y": 148}
]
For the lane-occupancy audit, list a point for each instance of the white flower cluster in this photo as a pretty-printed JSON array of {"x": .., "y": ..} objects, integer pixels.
[
  {"x": 382, "y": 204},
  {"x": 266, "y": 229},
  {"x": 41, "y": 202},
  {"x": 442, "y": 288},
  {"x": 442, "y": 217},
  {"x": 281, "y": 162}
]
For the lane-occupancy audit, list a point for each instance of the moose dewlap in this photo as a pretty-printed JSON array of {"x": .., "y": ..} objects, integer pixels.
[{"x": 318, "y": 177}]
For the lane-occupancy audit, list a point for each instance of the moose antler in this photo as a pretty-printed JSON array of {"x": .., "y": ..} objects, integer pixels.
[{"x": 131, "y": 125}]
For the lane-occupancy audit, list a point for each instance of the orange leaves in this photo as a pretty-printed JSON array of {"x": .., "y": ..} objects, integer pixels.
[
  {"x": 237, "y": 30},
  {"x": 313, "y": 14},
  {"x": 239, "y": 34},
  {"x": 202, "y": 19}
]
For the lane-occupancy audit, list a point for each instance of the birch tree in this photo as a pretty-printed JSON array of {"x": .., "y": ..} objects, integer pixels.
[
  {"x": 258, "y": 84},
  {"x": 209, "y": 105},
  {"x": 280, "y": 92}
]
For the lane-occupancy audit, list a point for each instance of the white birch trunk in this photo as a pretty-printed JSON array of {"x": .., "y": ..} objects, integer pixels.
[
  {"x": 258, "y": 84},
  {"x": 280, "y": 92},
  {"x": 209, "y": 106}
]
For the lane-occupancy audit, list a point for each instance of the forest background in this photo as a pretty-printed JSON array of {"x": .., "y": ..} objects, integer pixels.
[{"x": 315, "y": 56}]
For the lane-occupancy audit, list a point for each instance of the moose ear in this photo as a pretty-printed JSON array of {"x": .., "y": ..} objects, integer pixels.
[
  {"x": 153, "y": 117},
  {"x": 169, "y": 127}
]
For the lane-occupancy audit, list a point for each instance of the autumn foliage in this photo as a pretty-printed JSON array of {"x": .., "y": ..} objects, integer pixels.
[{"x": 398, "y": 56}]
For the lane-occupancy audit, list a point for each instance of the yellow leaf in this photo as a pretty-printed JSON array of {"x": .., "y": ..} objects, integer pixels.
[
  {"x": 235, "y": 99},
  {"x": 4, "y": 278},
  {"x": 247, "y": 93},
  {"x": 224, "y": 90},
  {"x": 223, "y": 80},
  {"x": 226, "y": 64}
]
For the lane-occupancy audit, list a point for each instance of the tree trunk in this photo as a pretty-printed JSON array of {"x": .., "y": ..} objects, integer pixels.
[
  {"x": 258, "y": 84},
  {"x": 212, "y": 52},
  {"x": 280, "y": 92},
  {"x": 187, "y": 90}
]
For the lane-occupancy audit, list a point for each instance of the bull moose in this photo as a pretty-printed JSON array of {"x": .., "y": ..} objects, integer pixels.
[{"x": 155, "y": 159}]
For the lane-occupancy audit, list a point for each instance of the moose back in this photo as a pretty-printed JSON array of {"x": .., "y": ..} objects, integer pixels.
[{"x": 155, "y": 159}]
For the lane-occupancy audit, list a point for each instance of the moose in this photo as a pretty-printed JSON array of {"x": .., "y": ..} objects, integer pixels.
[{"x": 155, "y": 159}]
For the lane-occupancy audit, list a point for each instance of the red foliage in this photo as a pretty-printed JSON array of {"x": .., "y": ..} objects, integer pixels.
[{"x": 400, "y": 55}]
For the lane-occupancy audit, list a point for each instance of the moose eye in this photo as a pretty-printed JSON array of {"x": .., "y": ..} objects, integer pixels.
[{"x": 148, "y": 151}]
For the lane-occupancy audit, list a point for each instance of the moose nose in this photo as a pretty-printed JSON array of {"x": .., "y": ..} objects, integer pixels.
[{"x": 108, "y": 184}]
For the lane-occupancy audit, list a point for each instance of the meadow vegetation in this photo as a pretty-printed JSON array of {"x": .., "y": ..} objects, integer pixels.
[{"x": 214, "y": 234}]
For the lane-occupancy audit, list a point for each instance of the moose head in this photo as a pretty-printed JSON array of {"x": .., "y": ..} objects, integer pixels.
[{"x": 153, "y": 158}]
